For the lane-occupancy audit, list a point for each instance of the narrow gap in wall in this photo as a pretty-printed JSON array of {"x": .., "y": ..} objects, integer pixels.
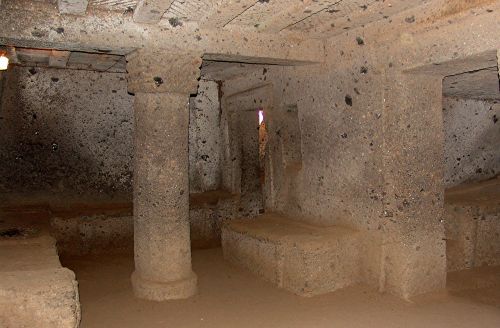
[
  {"x": 262, "y": 147},
  {"x": 224, "y": 167}
]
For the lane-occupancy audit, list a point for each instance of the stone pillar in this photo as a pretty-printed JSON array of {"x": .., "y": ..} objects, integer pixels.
[
  {"x": 414, "y": 252},
  {"x": 162, "y": 84}
]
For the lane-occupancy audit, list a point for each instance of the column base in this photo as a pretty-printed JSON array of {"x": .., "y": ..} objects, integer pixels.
[{"x": 162, "y": 291}]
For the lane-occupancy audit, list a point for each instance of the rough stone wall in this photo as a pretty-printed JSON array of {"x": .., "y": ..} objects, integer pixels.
[
  {"x": 204, "y": 138},
  {"x": 72, "y": 130},
  {"x": 415, "y": 55},
  {"x": 336, "y": 137},
  {"x": 472, "y": 140},
  {"x": 65, "y": 131},
  {"x": 248, "y": 127},
  {"x": 339, "y": 181}
]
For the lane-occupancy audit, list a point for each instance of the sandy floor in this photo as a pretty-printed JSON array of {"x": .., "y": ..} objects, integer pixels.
[{"x": 230, "y": 297}]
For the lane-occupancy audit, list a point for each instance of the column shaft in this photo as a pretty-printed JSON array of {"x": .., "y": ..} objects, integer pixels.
[{"x": 161, "y": 198}]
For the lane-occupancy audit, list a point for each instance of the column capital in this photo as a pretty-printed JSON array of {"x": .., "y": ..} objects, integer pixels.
[{"x": 159, "y": 71}]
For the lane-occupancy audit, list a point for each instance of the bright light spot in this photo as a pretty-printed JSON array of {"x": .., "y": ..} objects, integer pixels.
[
  {"x": 4, "y": 63},
  {"x": 261, "y": 116}
]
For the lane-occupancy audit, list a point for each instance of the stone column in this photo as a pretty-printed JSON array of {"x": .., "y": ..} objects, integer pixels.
[{"x": 162, "y": 84}]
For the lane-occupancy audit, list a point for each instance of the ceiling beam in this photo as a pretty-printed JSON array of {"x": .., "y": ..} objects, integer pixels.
[
  {"x": 73, "y": 7},
  {"x": 482, "y": 84},
  {"x": 11, "y": 54},
  {"x": 342, "y": 15},
  {"x": 229, "y": 71},
  {"x": 59, "y": 58},
  {"x": 225, "y": 12},
  {"x": 35, "y": 56},
  {"x": 293, "y": 12},
  {"x": 48, "y": 58},
  {"x": 151, "y": 11},
  {"x": 456, "y": 66},
  {"x": 214, "y": 67}
]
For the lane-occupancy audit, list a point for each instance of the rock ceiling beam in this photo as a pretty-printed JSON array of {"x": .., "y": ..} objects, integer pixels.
[
  {"x": 295, "y": 11},
  {"x": 231, "y": 72},
  {"x": 73, "y": 7},
  {"x": 59, "y": 58},
  {"x": 225, "y": 11},
  {"x": 151, "y": 11},
  {"x": 216, "y": 67}
]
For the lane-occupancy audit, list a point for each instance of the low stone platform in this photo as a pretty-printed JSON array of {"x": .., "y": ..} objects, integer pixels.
[
  {"x": 93, "y": 234},
  {"x": 304, "y": 259},
  {"x": 472, "y": 222},
  {"x": 209, "y": 210},
  {"x": 35, "y": 290}
]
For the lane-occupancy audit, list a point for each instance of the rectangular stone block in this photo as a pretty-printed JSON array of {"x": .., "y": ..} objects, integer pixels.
[
  {"x": 414, "y": 267},
  {"x": 313, "y": 267},
  {"x": 304, "y": 259},
  {"x": 41, "y": 298},
  {"x": 93, "y": 234},
  {"x": 35, "y": 291},
  {"x": 260, "y": 256},
  {"x": 74, "y": 7}
]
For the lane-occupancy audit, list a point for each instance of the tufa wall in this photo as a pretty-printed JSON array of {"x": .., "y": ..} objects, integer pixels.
[
  {"x": 323, "y": 150},
  {"x": 204, "y": 136},
  {"x": 68, "y": 131},
  {"x": 472, "y": 140},
  {"x": 65, "y": 131}
]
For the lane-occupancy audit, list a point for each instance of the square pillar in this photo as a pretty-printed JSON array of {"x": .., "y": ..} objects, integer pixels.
[
  {"x": 414, "y": 250},
  {"x": 162, "y": 84}
]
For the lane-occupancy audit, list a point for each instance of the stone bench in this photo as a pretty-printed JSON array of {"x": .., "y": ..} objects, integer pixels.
[
  {"x": 35, "y": 290},
  {"x": 304, "y": 259},
  {"x": 93, "y": 234},
  {"x": 472, "y": 225}
]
